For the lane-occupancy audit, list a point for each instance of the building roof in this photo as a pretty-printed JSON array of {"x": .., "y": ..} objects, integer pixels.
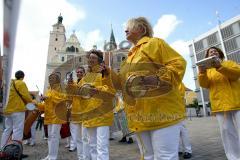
[
  {"x": 213, "y": 30},
  {"x": 73, "y": 39}
]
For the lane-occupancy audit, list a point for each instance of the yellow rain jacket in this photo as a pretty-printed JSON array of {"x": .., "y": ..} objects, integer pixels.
[
  {"x": 15, "y": 102},
  {"x": 104, "y": 84},
  {"x": 54, "y": 97},
  {"x": 76, "y": 103},
  {"x": 224, "y": 86},
  {"x": 164, "y": 110}
]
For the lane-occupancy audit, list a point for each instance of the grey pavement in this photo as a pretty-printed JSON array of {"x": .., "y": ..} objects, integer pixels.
[{"x": 204, "y": 136}]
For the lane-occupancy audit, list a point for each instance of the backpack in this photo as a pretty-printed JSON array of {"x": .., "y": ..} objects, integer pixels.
[{"x": 11, "y": 151}]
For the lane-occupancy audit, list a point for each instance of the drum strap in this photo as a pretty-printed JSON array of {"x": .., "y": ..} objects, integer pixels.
[{"x": 13, "y": 82}]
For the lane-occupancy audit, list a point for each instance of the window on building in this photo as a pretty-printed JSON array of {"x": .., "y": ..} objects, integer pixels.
[
  {"x": 212, "y": 39},
  {"x": 77, "y": 49},
  {"x": 230, "y": 45},
  {"x": 123, "y": 58},
  {"x": 72, "y": 49},
  {"x": 198, "y": 46},
  {"x": 55, "y": 48},
  {"x": 56, "y": 39},
  {"x": 80, "y": 59},
  {"x": 235, "y": 56},
  {"x": 236, "y": 28},
  {"x": 62, "y": 59},
  {"x": 227, "y": 32},
  {"x": 200, "y": 55}
]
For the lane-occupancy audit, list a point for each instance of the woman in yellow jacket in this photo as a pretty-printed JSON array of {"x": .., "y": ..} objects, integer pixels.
[
  {"x": 53, "y": 97},
  {"x": 155, "y": 119},
  {"x": 96, "y": 141},
  {"x": 14, "y": 111},
  {"x": 76, "y": 127},
  {"x": 224, "y": 86}
]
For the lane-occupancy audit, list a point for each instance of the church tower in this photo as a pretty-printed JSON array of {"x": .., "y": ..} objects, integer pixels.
[
  {"x": 63, "y": 54},
  {"x": 113, "y": 44},
  {"x": 57, "y": 39}
]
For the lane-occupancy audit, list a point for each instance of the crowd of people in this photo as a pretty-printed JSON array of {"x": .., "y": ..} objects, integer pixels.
[{"x": 148, "y": 93}]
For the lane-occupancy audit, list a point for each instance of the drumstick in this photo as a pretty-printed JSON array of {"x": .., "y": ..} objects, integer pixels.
[{"x": 38, "y": 90}]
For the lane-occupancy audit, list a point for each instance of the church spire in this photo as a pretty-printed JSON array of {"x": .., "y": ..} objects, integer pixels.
[
  {"x": 113, "y": 44},
  {"x": 60, "y": 19}
]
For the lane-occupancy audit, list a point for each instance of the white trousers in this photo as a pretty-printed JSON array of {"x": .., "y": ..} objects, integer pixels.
[
  {"x": 98, "y": 143},
  {"x": 33, "y": 134},
  {"x": 185, "y": 145},
  {"x": 229, "y": 123},
  {"x": 53, "y": 140},
  {"x": 160, "y": 144},
  {"x": 76, "y": 133},
  {"x": 70, "y": 143},
  {"x": 14, "y": 123},
  {"x": 85, "y": 140}
]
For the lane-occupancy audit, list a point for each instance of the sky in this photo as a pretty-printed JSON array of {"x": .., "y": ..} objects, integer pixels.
[{"x": 176, "y": 21}]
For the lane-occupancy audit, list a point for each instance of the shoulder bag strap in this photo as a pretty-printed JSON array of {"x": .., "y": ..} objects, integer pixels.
[{"x": 18, "y": 91}]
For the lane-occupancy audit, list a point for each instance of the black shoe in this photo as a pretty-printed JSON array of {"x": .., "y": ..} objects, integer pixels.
[
  {"x": 187, "y": 155},
  {"x": 124, "y": 139},
  {"x": 111, "y": 139},
  {"x": 72, "y": 150},
  {"x": 130, "y": 140},
  {"x": 180, "y": 153},
  {"x": 24, "y": 156}
]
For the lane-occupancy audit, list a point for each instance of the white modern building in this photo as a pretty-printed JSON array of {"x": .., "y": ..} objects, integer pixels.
[{"x": 225, "y": 36}]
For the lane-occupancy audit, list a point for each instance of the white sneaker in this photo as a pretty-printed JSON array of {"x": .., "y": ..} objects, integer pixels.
[
  {"x": 72, "y": 149},
  {"x": 46, "y": 158},
  {"x": 67, "y": 146},
  {"x": 25, "y": 142},
  {"x": 32, "y": 144}
]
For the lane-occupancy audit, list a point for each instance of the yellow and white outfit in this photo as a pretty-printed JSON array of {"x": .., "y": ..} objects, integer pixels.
[
  {"x": 156, "y": 120},
  {"x": 224, "y": 87},
  {"x": 96, "y": 141},
  {"x": 76, "y": 127},
  {"x": 14, "y": 112},
  {"x": 50, "y": 119}
]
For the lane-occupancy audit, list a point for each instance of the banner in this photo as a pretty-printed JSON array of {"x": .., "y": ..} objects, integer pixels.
[{"x": 10, "y": 19}]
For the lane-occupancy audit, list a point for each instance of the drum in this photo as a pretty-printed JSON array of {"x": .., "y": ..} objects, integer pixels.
[
  {"x": 30, "y": 118},
  {"x": 122, "y": 119},
  {"x": 135, "y": 88}
]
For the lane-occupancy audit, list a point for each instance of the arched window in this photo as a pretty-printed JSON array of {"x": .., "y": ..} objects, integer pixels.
[{"x": 72, "y": 49}]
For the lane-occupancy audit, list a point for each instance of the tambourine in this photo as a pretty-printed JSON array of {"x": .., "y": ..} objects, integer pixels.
[
  {"x": 63, "y": 111},
  {"x": 85, "y": 91},
  {"x": 30, "y": 106},
  {"x": 208, "y": 62},
  {"x": 135, "y": 87}
]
